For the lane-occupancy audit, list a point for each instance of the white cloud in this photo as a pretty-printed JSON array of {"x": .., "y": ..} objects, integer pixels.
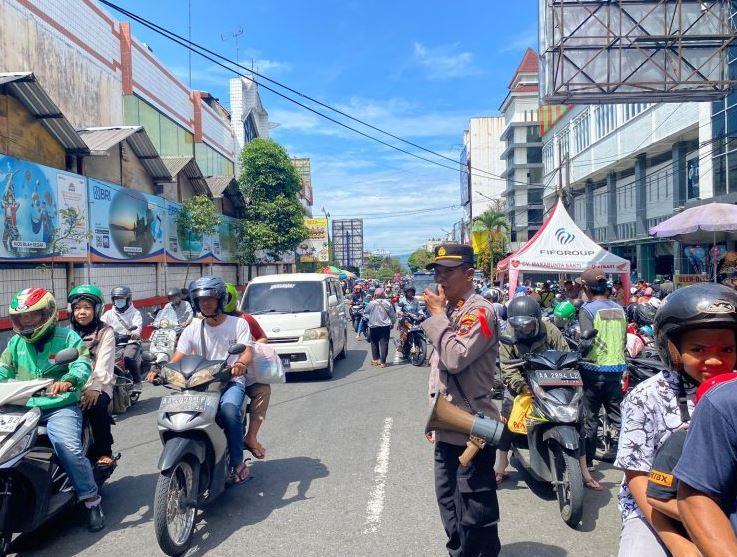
[{"x": 444, "y": 61}]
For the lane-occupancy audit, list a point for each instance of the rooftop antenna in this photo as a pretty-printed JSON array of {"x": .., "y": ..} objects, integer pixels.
[{"x": 235, "y": 34}]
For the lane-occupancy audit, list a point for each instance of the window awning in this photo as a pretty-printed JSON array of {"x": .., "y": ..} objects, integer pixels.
[
  {"x": 190, "y": 168},
  {"x": 25, "y": 87}
]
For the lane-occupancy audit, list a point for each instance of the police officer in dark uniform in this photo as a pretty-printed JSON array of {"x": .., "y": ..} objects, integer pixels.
[{"x": 463, "y": 330}]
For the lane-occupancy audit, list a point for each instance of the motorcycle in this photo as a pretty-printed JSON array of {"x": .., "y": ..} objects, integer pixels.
[
  {"x": 34, "y": 487},
  {"x": 194, "y": 461},
  {"x": 124, "y": 396},
  {"x": 638, "y": 370},
  {"x": 549, "y": 452},
  {"x": 356, "y": 312},
  {"x": 163, "y": 341},
  {"x": 412, "y": 341}
]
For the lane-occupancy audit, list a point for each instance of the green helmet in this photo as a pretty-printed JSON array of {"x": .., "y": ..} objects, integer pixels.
[
  {"x": 231, "y": 297},
  {"x": 88, "y": 292},
  {"x": 565, "y": 310}
]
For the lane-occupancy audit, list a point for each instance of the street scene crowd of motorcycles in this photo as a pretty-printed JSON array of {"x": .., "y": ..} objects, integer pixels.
[{"x": 40, "y": 493}]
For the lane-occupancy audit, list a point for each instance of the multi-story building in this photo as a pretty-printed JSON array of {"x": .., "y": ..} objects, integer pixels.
[
  {"x": 523, "y": 152},
  {"x": 482, "y": 179},
  {"x": 623, "y": 168}
]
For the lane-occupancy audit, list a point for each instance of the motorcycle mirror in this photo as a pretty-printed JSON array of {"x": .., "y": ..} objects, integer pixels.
[
  {"x": 589, "y": 334},
  {"x": 148, "y": 357},
  {"x": 66, "y": 356},
  {"x": 506, "y": 340},
  {"x": 236, "y": 349}
]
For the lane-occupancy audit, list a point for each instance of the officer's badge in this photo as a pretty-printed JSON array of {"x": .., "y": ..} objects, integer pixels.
[
  {"x": 441, "y": 252},
  {"x": 466, "y": 322}
]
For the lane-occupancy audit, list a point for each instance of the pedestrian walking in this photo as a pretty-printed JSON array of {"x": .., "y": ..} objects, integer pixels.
[
  {"x": 381, "y": 317},
  {"x": 462, "y": 327}
]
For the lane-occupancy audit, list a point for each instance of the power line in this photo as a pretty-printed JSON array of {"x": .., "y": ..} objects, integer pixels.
[{"x": 211, "y": 55}]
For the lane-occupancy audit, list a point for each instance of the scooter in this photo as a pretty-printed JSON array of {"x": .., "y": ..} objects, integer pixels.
[
  {"x": 163, "y": 341},
  {"x": 549, "y": 452},
  {"x": 413, "y": 342},
  {"x": 194, "y": 461},
  {"x": 124, "y": 396},
  {"x": 33, "y": 484}
]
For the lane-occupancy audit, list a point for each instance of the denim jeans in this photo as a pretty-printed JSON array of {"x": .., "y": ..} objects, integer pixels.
[
  {"x": 231, "y": 420},
  {"x": 64, "y": 428}
]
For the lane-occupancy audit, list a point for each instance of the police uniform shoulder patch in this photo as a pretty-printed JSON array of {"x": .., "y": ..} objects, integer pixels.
[{"x": 466, "y": 322}]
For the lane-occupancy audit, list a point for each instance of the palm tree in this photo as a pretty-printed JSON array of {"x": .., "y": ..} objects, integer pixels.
[{"x": 495, "y": 224}]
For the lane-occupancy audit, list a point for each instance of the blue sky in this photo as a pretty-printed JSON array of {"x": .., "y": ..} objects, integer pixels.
[{"x": 417, "y": 69}]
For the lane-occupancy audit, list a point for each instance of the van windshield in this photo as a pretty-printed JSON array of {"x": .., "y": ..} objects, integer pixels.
[{"x": 283, "y": 297}]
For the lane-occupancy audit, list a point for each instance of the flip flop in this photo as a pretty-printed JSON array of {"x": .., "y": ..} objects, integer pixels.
[
  {"x": 239, "y": 474},
  {"x": 260, "y": 454},
  {"x": 593, "y": 485},
  {"x": 104, "y": 461}
]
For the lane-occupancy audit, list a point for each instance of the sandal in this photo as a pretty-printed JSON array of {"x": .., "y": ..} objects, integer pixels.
[
  {"x": 593, "y": 485},
  {"x": 259, "y": 453},
  {"x": 382, "y": 365},
  {"x": 104, "y": 461},
  {"x": 500, "y": 477},
  {"x": 374, "y": 362},
  {"x": 239, "y": 474}
]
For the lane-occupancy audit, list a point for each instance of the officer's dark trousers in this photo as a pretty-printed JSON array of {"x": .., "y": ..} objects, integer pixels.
[
  {"x": 467, "y": 500},
  {"x": 600, "y": 389}
]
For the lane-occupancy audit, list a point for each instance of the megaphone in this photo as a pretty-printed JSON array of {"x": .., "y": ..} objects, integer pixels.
[{"x": 480, "y": 429}]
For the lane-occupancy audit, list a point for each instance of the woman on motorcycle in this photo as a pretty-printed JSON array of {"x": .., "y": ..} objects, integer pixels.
[
  {"x": 696, "y": 330},
  {"x": 87, "y": 302}
]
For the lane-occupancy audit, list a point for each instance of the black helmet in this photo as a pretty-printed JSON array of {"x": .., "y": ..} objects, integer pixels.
[
  {"x": 208, "y": 287},
  {"x": 644, "y": 314},
  {"x": 121, "y": 292},
  {"x": 493, "y": 295},
  {"x": 173, "y": 292},
  {"x": 521, "y": 313},
  {"x": 701, "y": 306}
]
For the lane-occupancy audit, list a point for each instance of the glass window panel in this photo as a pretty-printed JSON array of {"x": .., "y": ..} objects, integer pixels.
[
  {"x": 720, "y": 175},
  {"x": 130, "y": 110},
  {"x": 169, "y": 142},
  {"x": 201, "y": 157},
  {"x": 149, "y": 119},
  {"x": 732, "y": 172},
  {"x": 718, "y": 125},
  {"x": 534, "y": 156}
]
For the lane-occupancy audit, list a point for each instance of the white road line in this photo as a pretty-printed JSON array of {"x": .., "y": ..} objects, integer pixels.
[{"x": 376, "y": 502}]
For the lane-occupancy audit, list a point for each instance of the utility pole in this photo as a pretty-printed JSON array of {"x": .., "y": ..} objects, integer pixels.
[
  {"x": 327, "y": 218},
  {"x": 189, "y": 38}
]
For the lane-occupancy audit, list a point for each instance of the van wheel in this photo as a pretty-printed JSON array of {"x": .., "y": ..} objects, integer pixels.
[
  {"x": 327, "y": 372},
  {"x": 341, "y": 354}
]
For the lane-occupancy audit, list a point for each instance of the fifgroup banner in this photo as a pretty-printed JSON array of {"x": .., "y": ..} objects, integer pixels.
[{"x": 315, "y": 247}]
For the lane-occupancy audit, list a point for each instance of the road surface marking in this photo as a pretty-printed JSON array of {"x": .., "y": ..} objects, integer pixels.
[{"x": 376, "y": 502}]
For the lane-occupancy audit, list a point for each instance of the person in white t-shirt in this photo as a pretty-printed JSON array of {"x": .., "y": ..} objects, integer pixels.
[{"x": 220, "y": 332}]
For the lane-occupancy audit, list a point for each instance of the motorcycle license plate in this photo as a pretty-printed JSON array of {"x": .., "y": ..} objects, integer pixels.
[
  {"x": 184, "y": 403},
  {"x": 286, "y": 361},
  {"x": 558, "y": 378},
  {"x": 9, "y": 423}
]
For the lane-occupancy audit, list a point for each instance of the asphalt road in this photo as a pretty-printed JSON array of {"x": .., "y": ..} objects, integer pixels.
[{"x": 348, "y": 472}]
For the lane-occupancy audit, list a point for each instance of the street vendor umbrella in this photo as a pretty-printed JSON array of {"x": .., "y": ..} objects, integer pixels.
[
  {"x": 331, "y": 270},
  {"x": 346, "y": 274},
  {"x": 704, "y": 223}
]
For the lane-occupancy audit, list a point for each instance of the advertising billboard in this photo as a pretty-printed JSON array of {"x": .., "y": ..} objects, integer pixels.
[
  {"x": 223, "y": 243},
  {"x": 315, "y": 247},
  {"x": 31, "y": 196},
  {"x": 126, "y": 224},
  {"x": 179, "y": 248}
]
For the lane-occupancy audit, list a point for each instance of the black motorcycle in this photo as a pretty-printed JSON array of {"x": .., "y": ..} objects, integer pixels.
[
  {"x": 356, "y": 311},
  {"x": 34, "y": 487},
  {"x": 414, "y": 342},
  {"x": 549, "y": 452}
]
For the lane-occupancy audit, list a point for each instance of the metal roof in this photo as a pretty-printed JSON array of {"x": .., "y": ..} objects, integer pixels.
[
  {"x": 24, "y": 87},
  {"x": 175, "y": 164},
  {"x": 100, "y": 140},
  {"x": 218, "y": 184}
]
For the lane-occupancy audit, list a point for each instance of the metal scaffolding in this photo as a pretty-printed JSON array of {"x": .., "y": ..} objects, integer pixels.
[
  {"x": 636, "y": 50},
  {"x": 348, "y": 242}
]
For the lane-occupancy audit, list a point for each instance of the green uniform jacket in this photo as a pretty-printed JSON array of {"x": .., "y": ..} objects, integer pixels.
[
  {"x": 24, "y": 361},
  {"x": 512, "y": 376}
]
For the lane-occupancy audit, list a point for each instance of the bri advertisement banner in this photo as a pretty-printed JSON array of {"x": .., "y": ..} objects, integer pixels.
[
  {"x": 126, "y": 224},
  {"x": 31, "y": 196}
]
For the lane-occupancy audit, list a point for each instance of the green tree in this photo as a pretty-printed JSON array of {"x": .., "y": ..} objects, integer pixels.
[
  {"x": 495, "y": 225},
  {"x": 197, "y": 218},
  {"x": 72, "y": 230},
  {"x": 418, "y": 259},
  {"x": 274, "y": 218}
]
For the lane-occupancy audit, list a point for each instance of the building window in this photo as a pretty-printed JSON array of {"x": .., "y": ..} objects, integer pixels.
[
  {"x": 581, "y": 138},
  {"x": 533, "y": 134},
  {"x": 534, "y": 217},
  {"x": 534, "y": 196},
  {"x": 630, "y": 110},
  {"x": 548, "y": 158},
  {"x": 605, "y": 116},
  {"x": 168, "y": 137},
  {"x": 535, "y": 176},
  {"x": 534, "y": 155},
  {"x": 692, "y": 178},
  {"x": 564, "y": 140},
  {"x": 625, "y": 230},
  {"x": 249, "y": 128}
]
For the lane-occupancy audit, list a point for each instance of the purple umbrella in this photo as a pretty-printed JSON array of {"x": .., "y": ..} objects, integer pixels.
[{"x": 703, "y": 223}]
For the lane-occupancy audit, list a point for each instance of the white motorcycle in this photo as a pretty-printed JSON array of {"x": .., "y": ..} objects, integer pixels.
[{"x": 163, "y": 341}]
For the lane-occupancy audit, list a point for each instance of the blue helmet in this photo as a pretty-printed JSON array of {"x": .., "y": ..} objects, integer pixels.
[{"x": 206, "y": 287}]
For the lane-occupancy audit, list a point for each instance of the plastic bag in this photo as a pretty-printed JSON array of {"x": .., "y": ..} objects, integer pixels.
[
  {"x": 518, "y": 416},
  {"x": 266, "y": 366}
]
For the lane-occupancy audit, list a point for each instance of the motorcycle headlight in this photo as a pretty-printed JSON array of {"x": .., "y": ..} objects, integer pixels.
[
  {"x": 202, "y": 376},
  {"x": 176, "y": 378},
  {"x": 316, "y": 334},
  {"x": 17, "y": 447}
]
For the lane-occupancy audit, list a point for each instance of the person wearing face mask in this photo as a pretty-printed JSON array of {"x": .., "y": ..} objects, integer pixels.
[
  {"x": 695, "y": 334},
  {"x": 86, "y": 303},
  {"x": 177, "y": 309},
  {"x": 126, "y": 321}
]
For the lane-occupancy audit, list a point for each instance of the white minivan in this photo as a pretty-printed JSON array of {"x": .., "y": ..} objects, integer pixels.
[{"x": 304, "y": 316}]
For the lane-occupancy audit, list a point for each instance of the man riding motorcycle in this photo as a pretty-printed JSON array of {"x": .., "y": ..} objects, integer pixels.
[
  {"x": 33, "y": 313},
  {"x": 210, "y": 337},
  {"x": 175, "y": 307},
  {"x": 87, "y": 302},
  {"x": 409, "y": 308},
  {"x": 127, "y": 321}
]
